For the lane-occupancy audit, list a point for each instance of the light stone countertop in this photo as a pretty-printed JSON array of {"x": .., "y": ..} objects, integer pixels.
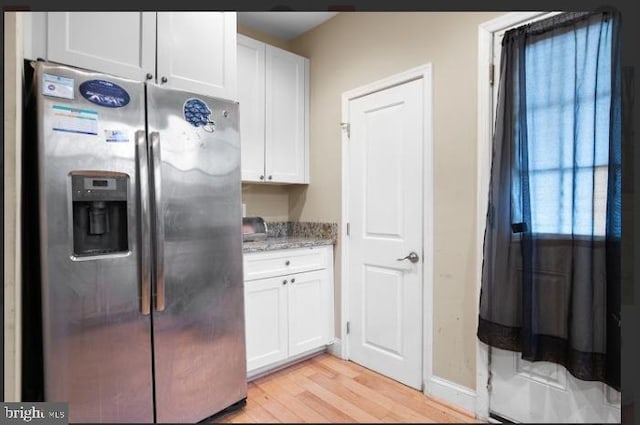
[{"x": 284, "y": 242}]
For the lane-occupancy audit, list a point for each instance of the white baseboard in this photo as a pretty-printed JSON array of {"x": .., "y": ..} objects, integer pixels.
[
  {"x": 336, "y": 348},
  {"x": 290, "y": 361},
  {"x": 452, "y": 393}
]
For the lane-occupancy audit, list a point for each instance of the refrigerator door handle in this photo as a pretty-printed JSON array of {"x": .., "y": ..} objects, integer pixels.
[
  {"x": 159, "y": 221},
  {"x": 143, "y": 205}
]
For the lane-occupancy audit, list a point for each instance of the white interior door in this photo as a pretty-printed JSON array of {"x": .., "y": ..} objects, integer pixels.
[
  {"x": 385, "y": 214},
  {"x": 525, "y": 391}
]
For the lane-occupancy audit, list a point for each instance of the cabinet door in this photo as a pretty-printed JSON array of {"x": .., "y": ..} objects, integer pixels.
[
  {"x": 286, "y": 100},
  {"x": 118, "y": 43},
  {"x": 265, "y": 321},
  {"x": 197, "y": 52},
  {"x": 309, "y": 311},
  {"x": 251, "y": 98},
  {"x": 34, "y": 38}
]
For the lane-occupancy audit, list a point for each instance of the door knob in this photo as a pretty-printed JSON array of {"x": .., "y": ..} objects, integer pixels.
[{"x": 413, "y": 257}]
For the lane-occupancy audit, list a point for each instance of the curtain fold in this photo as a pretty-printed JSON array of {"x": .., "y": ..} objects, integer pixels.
[{"x": 551, "y": 265}]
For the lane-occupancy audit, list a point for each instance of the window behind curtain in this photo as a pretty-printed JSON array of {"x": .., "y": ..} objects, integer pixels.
[{"x": 559, "y": 101}]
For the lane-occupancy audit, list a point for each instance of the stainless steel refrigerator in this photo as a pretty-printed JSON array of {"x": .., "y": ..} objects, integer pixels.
[{"x": 136, "y": 199}]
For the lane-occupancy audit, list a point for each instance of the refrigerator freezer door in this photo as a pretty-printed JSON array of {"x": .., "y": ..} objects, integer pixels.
[
  {"x": 96, "y": 341},
  {"x": 198, "y": 315}
]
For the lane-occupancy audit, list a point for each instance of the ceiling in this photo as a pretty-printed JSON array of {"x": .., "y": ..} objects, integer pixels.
[{"x": 283, "y": 25}]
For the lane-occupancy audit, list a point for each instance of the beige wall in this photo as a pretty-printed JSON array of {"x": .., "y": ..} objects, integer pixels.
[
  {"x": 267, "y": 201},
  {"x": 12, "y": 115},
  {"x": 356, "y": 48}
]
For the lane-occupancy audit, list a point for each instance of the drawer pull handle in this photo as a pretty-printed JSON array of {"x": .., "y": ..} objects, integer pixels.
[
  {"x": 293, "y": 280},
  {"x": 286, "y": 263},
  {"x": 284, "y": 282}
]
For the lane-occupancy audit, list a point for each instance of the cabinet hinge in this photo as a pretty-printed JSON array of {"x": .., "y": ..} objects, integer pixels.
[
  {"x": 348, "y": 229},
  {"x": 422, "y": 387},
  {"x": 346, "y": 126},
  {"x": 492, "y": 70},
  {"x": 348, "y": 328}
]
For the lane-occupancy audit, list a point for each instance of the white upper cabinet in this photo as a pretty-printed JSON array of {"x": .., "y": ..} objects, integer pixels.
[
  {"x": 192, "y": 51},
  {"x": 197, "y": 52},
  {"x": 119, "y": 43},
  {"x": 286, "y": 109},
  {"x": 251, "y": 96},
  {"x": 273, "y": 91}
]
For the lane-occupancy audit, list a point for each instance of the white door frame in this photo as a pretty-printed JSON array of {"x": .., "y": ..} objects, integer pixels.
[
  {"x": 422, "y": 72},
  {"x": 485, "y": 134}
]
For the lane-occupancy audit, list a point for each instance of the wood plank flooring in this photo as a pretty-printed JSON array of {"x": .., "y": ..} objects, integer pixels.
[{"x": 326, "y": 389}]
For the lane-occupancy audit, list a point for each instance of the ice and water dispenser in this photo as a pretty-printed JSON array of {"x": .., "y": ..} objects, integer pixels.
[{"x": 99, "y": 213}]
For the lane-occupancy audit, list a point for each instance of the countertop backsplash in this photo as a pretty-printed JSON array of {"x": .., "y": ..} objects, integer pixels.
[{"x": 302, "y": 229}]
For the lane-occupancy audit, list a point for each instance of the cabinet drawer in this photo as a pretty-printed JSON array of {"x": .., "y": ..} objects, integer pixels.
[{"x": 286, "y": 261}]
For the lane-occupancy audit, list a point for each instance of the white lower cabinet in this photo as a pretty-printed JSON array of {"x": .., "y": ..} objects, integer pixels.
[
  {"x": 287, "y": 314},
  {"x": 308, "y": 311},
  {"x": 266, "y": 321}
]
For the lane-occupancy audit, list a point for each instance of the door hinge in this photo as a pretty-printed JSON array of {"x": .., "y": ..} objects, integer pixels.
[
  {"x": 348, "y": 229},
  {"x": 492, "y": 70},
  {"x": 346, "y": 126},
  {"x": 348, "y": 328}
]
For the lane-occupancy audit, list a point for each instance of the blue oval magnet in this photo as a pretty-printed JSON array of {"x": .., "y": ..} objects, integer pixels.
[{"x": 104, "y": 93}]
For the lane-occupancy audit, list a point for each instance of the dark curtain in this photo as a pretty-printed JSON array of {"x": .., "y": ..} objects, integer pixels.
[{"x": 551, "y": 266}]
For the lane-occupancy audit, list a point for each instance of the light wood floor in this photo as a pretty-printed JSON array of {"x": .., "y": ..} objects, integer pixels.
[{"x": 326, "y": 389}]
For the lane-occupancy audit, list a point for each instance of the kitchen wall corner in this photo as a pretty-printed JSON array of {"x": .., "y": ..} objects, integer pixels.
[
  {"x": 297, "y": 200},
  {"x": 270, "y": 202}
]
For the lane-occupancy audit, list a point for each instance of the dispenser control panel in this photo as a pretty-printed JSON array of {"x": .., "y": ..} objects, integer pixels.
[{"x": 99, "y": 188}]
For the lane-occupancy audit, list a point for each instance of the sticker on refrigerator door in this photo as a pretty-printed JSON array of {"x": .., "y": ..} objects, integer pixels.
[
  {"x": 117, "y": 136},
  {"x": 197, "y": 113},
  {"x": 57, "y": 86},
  {"x": 74, "y": 120},
  {"x": 104, "y": 93}
]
